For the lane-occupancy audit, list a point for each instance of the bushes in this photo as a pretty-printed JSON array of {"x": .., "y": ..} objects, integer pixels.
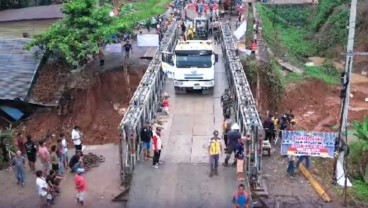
[{"x": 358, "y": 161}]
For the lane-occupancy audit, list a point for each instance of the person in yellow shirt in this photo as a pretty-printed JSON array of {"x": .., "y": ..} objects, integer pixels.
[
  {"x": 190, "y": 33},
  {"x": 214, "y": 151}
]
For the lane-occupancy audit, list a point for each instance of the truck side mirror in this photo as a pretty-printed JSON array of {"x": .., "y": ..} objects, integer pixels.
[
  {"x": 167, "y": 58},
  {"x": 216, "y": 58}
]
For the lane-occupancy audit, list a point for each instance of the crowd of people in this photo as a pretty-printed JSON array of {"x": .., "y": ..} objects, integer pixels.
[{"x": 54, "y": 160}]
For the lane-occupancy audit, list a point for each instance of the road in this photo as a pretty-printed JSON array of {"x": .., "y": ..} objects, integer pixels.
[{"x": 183, "y": 180}]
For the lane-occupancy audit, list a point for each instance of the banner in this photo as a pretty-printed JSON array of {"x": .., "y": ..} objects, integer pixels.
[
  {"x": 316, "y": 144},
  {"x": 148, "y": 40},
  {"x": 242, "y": 29}
]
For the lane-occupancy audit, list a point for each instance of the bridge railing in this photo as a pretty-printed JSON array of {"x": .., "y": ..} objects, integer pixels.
[
  {"x": 143, "y": 105},
  {"x": 246, "y": 114}
]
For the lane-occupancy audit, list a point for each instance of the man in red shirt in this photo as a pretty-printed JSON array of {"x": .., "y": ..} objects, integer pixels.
[{"x": 81, "y": 186}]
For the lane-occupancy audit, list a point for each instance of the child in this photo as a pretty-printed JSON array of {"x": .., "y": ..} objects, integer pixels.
[
  {"x": 239, "y": 155},
  {"x": 165, "y": 105},
  {"x": 81, "y": 186},
  {"x": 291, "y": 167},
  {"x": 54, "y": 159}
]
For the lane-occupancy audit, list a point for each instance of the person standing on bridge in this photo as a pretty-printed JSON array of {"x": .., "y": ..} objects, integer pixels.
[
  {"x": 241, "y": 198},
  {"x": 226, "y": 101},
  {"x": 214, "y": 151},
  {"x": 146, "y": 136},
  {"x": 157, "y": 143},
  {"x": 233, "y": 137}
]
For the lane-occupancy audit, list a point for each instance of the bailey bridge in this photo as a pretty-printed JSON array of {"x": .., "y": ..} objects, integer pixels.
[{"x": 183, "y": 180}]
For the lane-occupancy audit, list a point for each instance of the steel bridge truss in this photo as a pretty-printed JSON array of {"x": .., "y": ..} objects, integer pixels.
[
  {"x": 246, "y": 114},
  {"x": 146, "y": 101},
  {"x": 143, "y": 106}
]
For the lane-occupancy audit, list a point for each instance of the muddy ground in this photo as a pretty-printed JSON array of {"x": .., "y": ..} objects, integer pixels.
[
  {"x": 317, "y": 105},
  {"x": 100, "y": 97}
]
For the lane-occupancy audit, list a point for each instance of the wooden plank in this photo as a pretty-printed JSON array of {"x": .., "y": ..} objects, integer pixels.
[{"x": 317, "y": 187}]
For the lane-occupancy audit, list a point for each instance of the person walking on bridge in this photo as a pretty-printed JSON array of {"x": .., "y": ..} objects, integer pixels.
[
  {"x": 128, "y": 49},
  {"x": 157, "y": 143},
  {"x": 214, "y": 151},
  {"x": 233, "y": 137}
]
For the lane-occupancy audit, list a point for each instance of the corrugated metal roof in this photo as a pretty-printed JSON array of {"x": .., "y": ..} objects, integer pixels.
[
  {"x": 17, "y": 68},
  {"x": 32, "y": 13}
]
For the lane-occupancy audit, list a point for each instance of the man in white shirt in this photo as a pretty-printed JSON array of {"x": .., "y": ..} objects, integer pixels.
[
  {"x": 42, "y": 189},
  {"x": 76, "y": 137}
]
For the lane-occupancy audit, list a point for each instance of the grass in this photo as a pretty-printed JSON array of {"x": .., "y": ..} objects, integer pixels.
[
  {"x": 142, "y": 11},
  {"x": 323, "y": 73},
  {"x": 359, "y": 192},
  {"x": 287, "y": 31}
]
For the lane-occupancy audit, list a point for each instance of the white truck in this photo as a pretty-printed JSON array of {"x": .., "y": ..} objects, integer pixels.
[{"x": 191, "y": 66}]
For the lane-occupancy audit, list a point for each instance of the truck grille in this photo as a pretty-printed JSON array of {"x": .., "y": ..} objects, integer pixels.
[{"x": 193, "y": 78}]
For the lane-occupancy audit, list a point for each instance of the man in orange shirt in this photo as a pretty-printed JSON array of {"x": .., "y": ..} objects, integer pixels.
[{"x": 81, "y": 186}]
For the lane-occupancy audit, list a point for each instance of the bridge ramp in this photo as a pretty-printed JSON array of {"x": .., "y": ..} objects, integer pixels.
[{"x": 183, "y": 180}]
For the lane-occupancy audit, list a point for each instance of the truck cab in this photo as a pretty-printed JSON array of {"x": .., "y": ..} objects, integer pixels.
[
  {"x": 201, "y": 28},
  {"x": 191, "y": 66}
]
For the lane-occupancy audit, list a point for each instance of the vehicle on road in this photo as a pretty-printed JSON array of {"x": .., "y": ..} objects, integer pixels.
[{"x": 191, "y": 65}]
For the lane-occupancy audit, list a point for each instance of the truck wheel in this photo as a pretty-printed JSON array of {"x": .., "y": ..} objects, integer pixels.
[
  {"x": 208, "y": 91},
  {"x": 179, "y": 91}
]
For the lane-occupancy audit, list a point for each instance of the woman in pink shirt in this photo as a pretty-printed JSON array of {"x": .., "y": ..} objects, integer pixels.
[{"x": 44, "y": 155}]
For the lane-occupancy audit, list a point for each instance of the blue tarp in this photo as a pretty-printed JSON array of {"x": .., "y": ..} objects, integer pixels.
[{"x": 12, "y": 112}]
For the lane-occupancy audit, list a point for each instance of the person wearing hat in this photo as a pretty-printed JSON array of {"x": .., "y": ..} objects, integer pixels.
[
  {"x": 81, "y": 186},
  {"x": 157, "y": 144},
  {"x": 233, "y": 137},
  {"x": 214, "y": 151}
]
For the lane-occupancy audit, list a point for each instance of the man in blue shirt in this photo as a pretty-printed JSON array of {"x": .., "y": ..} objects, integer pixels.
[{"x": 232, "y": 141}]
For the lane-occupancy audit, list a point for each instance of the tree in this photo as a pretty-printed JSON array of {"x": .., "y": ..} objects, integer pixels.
[
  {"x": 78, "y": 37},
  {"x": 87, "y": 26}
]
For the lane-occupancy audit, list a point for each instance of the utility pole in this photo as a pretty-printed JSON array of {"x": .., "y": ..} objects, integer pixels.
[{"x": 347, "y": 89}]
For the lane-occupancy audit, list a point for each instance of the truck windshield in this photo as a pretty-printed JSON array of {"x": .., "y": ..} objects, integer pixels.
[{"x": 193, "y": 61}]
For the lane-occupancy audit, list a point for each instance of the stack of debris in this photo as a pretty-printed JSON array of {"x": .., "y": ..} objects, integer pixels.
[{"x": 91, "y": 160}]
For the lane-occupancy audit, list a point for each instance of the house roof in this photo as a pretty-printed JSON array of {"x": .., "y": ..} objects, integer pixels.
[
  {"x": 17, "y": 68},
  {"x": 32, "y": 13}
]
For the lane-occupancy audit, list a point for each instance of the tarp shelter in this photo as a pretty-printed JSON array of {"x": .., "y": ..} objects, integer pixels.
[
  {"x": 148, "y": 40},
  {"x": 14, "y": 113}
]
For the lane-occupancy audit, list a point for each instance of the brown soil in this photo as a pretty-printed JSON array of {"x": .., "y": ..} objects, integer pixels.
[
  {"x": 97, "y": 110},
  {"x": 317, "y": 105}
]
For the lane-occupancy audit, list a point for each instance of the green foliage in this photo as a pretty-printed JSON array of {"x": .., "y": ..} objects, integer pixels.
[
  {"x": 270, "y": 79},
  {"x": 13, "y": 4},
  {"x": 324, "y": 10},
  {"x": 87, "y": 26},
  {"x": 6, "y": 136},
  {"x": 361, "y": 130},
  {"x": 323, "y": 73},
  {"x": 284, "y": 31},
  {"x": 360, "y": 191}
]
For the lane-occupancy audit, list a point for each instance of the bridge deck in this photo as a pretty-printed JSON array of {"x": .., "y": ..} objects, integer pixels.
[{"x": 183, "y": 180}]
